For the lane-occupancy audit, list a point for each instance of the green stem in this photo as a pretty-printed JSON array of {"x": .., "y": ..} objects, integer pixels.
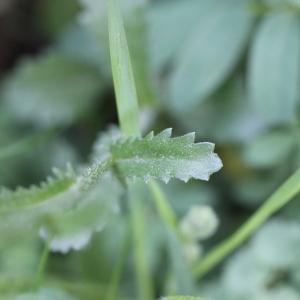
[
  {"x": 285, "y": 193},
  {"x": 42, "y": 265},
  {"x": 163, "y": 207},
  {"x": 138, "y": 224},
  {"x": 111, "y": 293},
  {"x": 262, "y": 8}
]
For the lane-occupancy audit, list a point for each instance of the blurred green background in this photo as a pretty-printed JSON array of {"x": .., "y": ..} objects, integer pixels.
[{"x": 228, "y": 70}]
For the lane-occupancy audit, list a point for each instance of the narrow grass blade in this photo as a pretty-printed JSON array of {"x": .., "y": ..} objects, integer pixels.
[{"x": 126, "y": 95}]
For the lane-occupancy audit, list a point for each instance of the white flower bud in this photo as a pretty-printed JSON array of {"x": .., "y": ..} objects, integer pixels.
[
  {"x": 192, "y": 251},
  {"x": 199, "y": 223}
]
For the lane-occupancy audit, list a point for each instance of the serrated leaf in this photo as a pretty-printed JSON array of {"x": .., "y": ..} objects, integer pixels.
[
  {"x": 276, "y": 52},
  {"x": 202, "y": 65},
  {"x": 23, "y": 198},
  {"x": 58, "y": 203},
  {"x": 73, "y": 229},
  {"x": 57, "y": 89},
  {"x": 164, "y": 157}
]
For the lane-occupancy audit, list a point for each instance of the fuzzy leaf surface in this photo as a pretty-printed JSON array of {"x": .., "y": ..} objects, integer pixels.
[{"x": 163, "y": 157}]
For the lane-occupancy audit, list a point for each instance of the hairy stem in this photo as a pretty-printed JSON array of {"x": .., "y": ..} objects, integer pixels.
[{"x": 163, "y": 206}]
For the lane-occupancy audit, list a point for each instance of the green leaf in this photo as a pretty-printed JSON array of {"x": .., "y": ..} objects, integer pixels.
[
  {"x": 275, "y": 245},
  {"x": 23, "y": 198},
  {"x": 94, "y": 19},
  {"x": 137, "y": 32},
  {"x": 202, "y": 65},
  {"x": 124, "y": 84},
  {"x": 164, "y": 157},
  {"x": 101, "y": 146},
  {"x": 57, "y": 89},
  {"x": 78, "y": 42},
  {"x": 243, "y": 277},
  {"x": 226, "y": 116},
  {"x": 25, "y": 144},
  {"x": 179, "y": 268},
  {"x": 73, "y": 229},
  {"x": 62, "y": 193},
  {"x": 269, "y": 149},
  {"x": 166, "y": 34},
  {"x": 274, "y": 67}
]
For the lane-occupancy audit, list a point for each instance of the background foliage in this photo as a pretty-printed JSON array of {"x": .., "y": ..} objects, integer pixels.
[{"x": 228, "y": 70}]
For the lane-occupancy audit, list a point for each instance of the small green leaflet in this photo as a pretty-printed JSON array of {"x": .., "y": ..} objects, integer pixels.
[
  {"x": 163, "y": 157},
  {"x": 276, "y": 52},
  {"x": 57, "y": 89},
  {"x": 202, "y": 66}
]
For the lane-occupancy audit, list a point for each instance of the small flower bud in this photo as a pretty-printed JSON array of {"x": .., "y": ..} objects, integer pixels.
[
  {"x": 199, "y": 223},
  {"x": 192, "y": 251}
]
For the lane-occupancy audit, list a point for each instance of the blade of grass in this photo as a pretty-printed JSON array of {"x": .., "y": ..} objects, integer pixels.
[
  {"x": 126, "y": 95},
  {"x": 127, "y": 106},
  {"x": 284, "y": 194}
]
